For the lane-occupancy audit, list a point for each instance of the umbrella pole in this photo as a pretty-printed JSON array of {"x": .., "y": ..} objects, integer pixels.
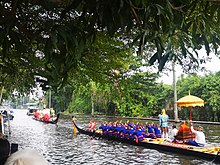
[{"x": 190, "y": 113}]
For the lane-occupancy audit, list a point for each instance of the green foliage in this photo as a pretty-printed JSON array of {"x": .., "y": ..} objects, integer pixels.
[
  {"x": 101, "y": 59},
  {"x": 207, "y": 88},
  {"x": 96, "y": 76},
  {"x": 136, "y": 92},
  {"x": 211, "y": 95},
  {"x": 50, "y": 38},
  {"x": 16, "y": 73},
  {"x": 81, "y": 98},
  {"x": 60, "y": 99}
]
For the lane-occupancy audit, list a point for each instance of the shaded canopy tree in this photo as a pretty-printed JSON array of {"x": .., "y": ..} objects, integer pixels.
[
  {"x": 139, "y": 96},
  {"x": 211, "y": 93},
  {"x": 53, "y": 34},
  {"x": 96, "y": 78}
]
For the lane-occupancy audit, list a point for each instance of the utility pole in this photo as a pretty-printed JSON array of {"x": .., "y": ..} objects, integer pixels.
[
  {"x": 175, "y": 93},
  {"x": 8, "y": 118},
  {"x": 49, "y": 98},
  {"x": 92, "y": 90}
]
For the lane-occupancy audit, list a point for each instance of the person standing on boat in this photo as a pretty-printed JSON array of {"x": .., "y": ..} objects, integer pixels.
[
  {"x": 200, "y": 136},
  {"x": 163, "y": 122}
]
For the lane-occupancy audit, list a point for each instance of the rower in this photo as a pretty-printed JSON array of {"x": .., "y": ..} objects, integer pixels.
[
  {"x": 156, "y": 130},
  {"x": 150, "y": 130},
  {"x": 137, "y": 135}
]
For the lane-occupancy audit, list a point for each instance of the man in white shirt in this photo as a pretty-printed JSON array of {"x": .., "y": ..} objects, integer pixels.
[
  {"x": 173, "y": 133},
  {"x": 200, "y": 137}
]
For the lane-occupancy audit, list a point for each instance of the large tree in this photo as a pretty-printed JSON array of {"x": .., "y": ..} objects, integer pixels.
[{"x": 48, "y": 38}]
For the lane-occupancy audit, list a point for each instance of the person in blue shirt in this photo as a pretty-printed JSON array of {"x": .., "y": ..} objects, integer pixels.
[
  {"x": 150, "y": 131},
  {"x": 130, "y": 133},
  {"x": 138, "y": 136},
  {"x": 156, "y": 130},
  {"x": 118, "y": 130},
  {"x": 103, "y": 127}
]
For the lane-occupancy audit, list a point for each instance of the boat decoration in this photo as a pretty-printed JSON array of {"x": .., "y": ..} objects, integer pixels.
[{"x": 207, "y": 152}]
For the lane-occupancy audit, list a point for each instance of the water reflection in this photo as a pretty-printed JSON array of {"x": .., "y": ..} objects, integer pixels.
[{"x": 59, "y": 146}]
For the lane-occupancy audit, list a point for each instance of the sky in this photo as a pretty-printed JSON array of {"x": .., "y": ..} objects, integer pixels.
[{"x": 213, "y": 66}]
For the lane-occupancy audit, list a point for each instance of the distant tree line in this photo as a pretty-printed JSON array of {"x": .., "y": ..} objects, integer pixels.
[{"x": 142, "y": 96}]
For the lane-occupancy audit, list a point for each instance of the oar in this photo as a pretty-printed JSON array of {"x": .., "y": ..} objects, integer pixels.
[{"x": 74, "y": 127}]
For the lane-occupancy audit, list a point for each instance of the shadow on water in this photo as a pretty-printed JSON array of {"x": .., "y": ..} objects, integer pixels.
[{"x": 59, "y": 146}]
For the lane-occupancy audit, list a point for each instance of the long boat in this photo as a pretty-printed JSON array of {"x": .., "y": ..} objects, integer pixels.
[
  {"x": 211, "y": 153},
  {"x": 49, "y": 122}
]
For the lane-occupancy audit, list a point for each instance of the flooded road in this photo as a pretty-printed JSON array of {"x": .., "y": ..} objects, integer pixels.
[{"x": 59, "y": 146}]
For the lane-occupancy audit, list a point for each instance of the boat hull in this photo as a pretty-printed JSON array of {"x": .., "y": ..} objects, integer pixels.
[
  {"x": 208, "y": 153},
  {"x": 49, "y": 122}
]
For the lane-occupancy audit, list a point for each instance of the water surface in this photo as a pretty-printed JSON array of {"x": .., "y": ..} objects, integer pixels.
[{"x": 59, "y": 146}]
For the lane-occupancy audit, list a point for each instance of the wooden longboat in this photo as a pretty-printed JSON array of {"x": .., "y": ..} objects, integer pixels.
[
  {"x": 49, "y": 122},
  {"x": 211, "y": 153}
]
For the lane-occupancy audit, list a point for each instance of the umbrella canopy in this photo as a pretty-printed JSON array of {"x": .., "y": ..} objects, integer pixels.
[{"x": 190, "y": 101}]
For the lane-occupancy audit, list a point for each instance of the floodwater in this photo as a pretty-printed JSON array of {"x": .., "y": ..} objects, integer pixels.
[{"x": 59, "y": 146}]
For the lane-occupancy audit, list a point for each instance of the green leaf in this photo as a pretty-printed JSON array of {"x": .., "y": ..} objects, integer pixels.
[{"x": 164, "y": 59}]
